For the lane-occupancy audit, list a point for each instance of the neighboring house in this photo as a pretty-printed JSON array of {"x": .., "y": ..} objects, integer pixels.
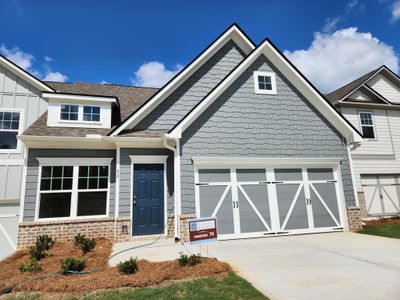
[
  {"x": 372, "y": 104},
  {"x": 239, "y": 134},
  {"x": 21, "y": 103}
]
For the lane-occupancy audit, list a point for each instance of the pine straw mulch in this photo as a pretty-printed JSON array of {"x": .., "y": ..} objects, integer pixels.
[
  {"x": 148, "y": 274},
  {"x": 382, "y": 221}
]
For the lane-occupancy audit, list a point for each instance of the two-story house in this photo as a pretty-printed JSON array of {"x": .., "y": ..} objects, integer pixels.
[
  {"x": 372, "y": 104},
  {"x": 239, "y": 134}
]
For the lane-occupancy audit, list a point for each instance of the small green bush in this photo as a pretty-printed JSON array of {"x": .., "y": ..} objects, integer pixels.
[
  {"x": 72, "y": 264},
  {"x": 194, "y": 259},
  {"x": 128, "y": 267},
  {"x": 43, "y": 243},
  {"x": 84, "y": 243},
  {"x": 183, "y": 259},
  {"x": 31, "y": 266}
]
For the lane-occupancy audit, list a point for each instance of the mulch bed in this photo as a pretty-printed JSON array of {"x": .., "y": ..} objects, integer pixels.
[
  {"x": 382, "y": 221},
  {"x": 148, "y": 274}
]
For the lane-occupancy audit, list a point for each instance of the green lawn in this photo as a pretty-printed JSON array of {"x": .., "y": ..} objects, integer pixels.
[
  {"x": 231, "y": 287},
  {"x": 391, "y": 231}
]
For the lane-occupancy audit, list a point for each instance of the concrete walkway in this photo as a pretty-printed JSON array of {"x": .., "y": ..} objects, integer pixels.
[{"x": 319, "y": 266}]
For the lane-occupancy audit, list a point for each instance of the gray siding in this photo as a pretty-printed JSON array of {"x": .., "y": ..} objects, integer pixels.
[
  {"x": 181, "y": 101},
  {"x": 16, "y": 93},
  {"x": 126, "y": 178},
  {"x": 33, "y": 172},
  {"x": 242, "y": 123}
]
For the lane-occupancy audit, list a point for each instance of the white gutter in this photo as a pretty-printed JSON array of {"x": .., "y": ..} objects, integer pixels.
[{"x": 177, "y": 181}]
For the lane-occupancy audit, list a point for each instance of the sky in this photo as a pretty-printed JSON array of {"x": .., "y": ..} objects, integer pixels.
[{"x": 145, "y": 43}]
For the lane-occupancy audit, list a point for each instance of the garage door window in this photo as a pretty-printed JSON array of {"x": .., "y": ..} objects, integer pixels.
[
  {"x": 367, "y": 125},
  {"x": 73, "y": 191}
]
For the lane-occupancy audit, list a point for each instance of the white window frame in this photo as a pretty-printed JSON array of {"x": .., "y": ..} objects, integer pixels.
[
  {"x": 91, "y": 113},
  {"x": 150, "y": 159},
  {"x": 373, "y": 123},
  {"x": 80, "y": 114},
  {"x": 20, "y": 129},
  {"x": 272, "y": 91},
  {"x": 75, "y": 163}
]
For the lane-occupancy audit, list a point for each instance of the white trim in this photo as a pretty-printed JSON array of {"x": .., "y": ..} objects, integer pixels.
[
  {"x": 23, "y": 186},
  {"x": 11, "y": 162},
  {"x": 77, "y": 97},
  {"x": 291, "y": 75},
  {"x": 271, "y": 75},
  {"x": 149, "y": 159},
  {"x": 21, "y": 128},
  {"x": 353, "y": 179},
  {"x": 24, "y": 75},
  {"x": 337, "y": 175},
  {"x": 232, "y": 33},
  {"x": 265, "y": 161},
  {"x": 117, "y": 181},
  {"x": 74, "y": 161}
]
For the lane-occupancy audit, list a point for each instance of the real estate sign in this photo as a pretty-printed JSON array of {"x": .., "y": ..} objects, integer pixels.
[{"x": 202, "y": 230}]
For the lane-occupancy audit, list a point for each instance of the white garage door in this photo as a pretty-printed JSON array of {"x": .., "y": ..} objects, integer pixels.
[
  {"x": 257, "y": 202},
  {"x": 382, "y": 194},
  {"x": 8, "y": 229}
]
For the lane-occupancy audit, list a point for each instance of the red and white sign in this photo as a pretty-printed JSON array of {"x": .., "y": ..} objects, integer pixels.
[{"x": 203, "y": 230}]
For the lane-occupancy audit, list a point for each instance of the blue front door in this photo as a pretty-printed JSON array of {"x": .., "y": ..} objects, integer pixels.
[{"x": 148, "y": 200}]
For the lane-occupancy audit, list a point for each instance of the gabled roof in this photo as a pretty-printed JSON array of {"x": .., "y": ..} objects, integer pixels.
[
  {"x": 298, "y": 80},
  {"x": 12, "y": 67},
  {"x": 346, "y": 90},
  {"x": 234, "y": 33}
]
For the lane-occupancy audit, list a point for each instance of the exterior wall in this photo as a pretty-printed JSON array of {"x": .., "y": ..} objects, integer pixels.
[
  {"x": 193, "y": 90},
  {"x": 126, "y": 178},
  {"x": 242, "y": 123},
  {"x": 381, "y": 155},
  {"x": 385, "y": 87},
  {"x": 15, "y": 93},
  {"x": 31, "y": 188},
  {"x": 358, "y": 95},
  {"x": 354, "y": 218}
]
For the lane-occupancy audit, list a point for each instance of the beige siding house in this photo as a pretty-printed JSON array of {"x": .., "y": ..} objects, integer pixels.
[{"x": 372, "y": 104}]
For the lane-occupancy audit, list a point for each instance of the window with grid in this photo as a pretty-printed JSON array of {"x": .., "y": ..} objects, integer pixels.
[
  {"x": 264, "y": 83},
  {"x": 71, "y": 191},
  {"x": 69, "y": 112},
  {"x": 9, "y": 128},
  {"x": 91, "y": 113},
  {"x": 367, "y": 125}
]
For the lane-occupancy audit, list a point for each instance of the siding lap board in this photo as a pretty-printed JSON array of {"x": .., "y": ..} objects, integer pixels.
[
  {"x": 194, "y": 89},
  {"x": 242, "y": 123}
]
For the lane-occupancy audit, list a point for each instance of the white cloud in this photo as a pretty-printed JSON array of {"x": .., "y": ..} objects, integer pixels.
[
  {"x": 55, "y": 76},
  {"x": 25, "y": 61},
  {"x": 396, "y": 10},
  {"x": 333, "y": 60},
  {"x": 153, "y": 74},
  {"x": 331, "y": 23},
  {"x": 19, "y": 57},
  {"x": 104, "y": 82},
  {"x": 48, "y": 59}
]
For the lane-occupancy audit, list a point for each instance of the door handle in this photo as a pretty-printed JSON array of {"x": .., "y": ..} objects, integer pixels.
[
  {"x": 134, "y": 200},
  {"x": 237, "y": 204}
]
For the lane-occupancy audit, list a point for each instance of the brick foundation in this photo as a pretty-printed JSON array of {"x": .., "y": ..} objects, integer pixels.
[
  {"x": 354, "y": 218},
  {"x": 362, "y": 204}
]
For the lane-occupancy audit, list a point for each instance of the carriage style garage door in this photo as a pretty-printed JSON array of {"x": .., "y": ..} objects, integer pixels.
[
  {"x": 382, "y": 194},
  {"x": 257, "y": 202},
  {"x": 8, "y": 228}
]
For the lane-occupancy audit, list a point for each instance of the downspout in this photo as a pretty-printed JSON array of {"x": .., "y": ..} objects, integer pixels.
[
  {"x": 177, "y": 187},
  {"x": 117, "y": 188}
]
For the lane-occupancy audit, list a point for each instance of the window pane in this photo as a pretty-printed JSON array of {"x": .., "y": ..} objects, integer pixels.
[
  {"x": 82, "y": 183},
  {"x": 73, "y": 117},
  {"x": 45, "y": 184},
  {"x": 74, "y": 108},
  {"x": 368, "y": 132},
  {"x": 56, "y": 184},
  {"x": 96, "y": 110},
  {"x": 96, "y": 118},
  {"x": 15, "y": 116},
  {"x": 55, "y": 205},
  {"x": 103, "y": 171},
  {"x": 83, "y": 171},
  {"x": 87, "y": 117},
  {"x": 46, "y": 172},
  {"x": 366, "y": 119},
  {"x": 264, "y": 83},
  {"x": 8, "y": 139},
  {"x": 7, "y": 116},
  {"x": 67, "y": 184},
  {"x": 93, "y": 171},
  {"x": 64, "y": 116},
  {"x": 68, "y": 171},
  {"x": 57, "y": 171},
  {"x": 93, "y": 183},
  {"x": 92, "y": 203},
  {"x": 6, "y": 124},
  {"x": 103, "y": 183}
]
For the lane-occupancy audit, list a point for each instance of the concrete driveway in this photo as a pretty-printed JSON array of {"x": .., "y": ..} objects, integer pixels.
[{"x": 319, "y": 266}]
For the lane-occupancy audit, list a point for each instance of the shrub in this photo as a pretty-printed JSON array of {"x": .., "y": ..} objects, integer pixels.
[
  {"x": 72, "y": 264},
  {"x": 128, "y": 267},
  {"x": 84, "y": 243},
  {"x": 185, "y": 260},
  {"x": 194, "y": 259},
  {"x": 31, "y": 266},
  {"x": 42, "y": 244}
]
